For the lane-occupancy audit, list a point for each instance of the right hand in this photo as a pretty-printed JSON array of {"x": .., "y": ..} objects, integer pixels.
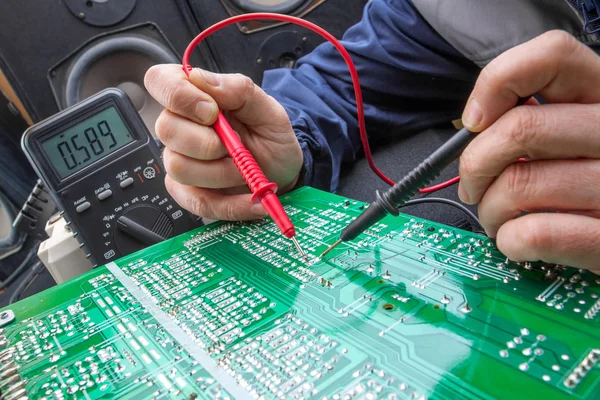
[{"x": 201, "y": 176}]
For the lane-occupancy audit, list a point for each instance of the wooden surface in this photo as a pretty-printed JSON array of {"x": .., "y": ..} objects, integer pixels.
[{"x": 7, "y": 89}]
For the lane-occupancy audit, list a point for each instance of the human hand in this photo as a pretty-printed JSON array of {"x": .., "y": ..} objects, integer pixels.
[
  {"x": 560, "y": 182},
  {"x": 201, "y": 176}
]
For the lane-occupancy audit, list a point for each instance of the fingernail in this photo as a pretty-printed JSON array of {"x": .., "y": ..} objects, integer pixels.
[
  {"x": 258, "y": 210},
  {"x": 206, "y": 111},
  {"x": 462, "y": 194},
  {"x": 472, "y": 115},
  {"x": 210, "y": 78}
]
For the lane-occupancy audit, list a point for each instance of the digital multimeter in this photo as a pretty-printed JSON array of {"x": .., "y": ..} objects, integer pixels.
[{"x": 104, "y": 170}]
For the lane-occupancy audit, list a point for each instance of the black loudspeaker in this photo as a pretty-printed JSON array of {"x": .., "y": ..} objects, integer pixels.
[
  {"x": 56, "y": 53},
  {"x": 255, "y": 46},
  {"x": 118, "y": 59}
]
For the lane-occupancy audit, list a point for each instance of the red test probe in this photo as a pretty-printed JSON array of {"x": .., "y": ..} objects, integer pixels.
[{"x": 263, "y": 191}]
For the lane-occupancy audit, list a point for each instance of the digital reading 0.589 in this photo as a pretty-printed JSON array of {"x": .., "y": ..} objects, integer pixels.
[{"x": 86, "y": 142}]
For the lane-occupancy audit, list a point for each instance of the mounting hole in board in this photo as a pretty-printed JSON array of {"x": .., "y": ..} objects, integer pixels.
[
  {"x": 436, "y": 306},
  {"x": 388, "y": 306}
]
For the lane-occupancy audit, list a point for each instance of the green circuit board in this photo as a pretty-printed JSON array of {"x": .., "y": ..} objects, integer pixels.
[{"x": 412, "y": 309}]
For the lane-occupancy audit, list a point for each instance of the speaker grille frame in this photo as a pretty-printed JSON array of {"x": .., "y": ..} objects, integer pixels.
[{"x": 285, "y": 7}]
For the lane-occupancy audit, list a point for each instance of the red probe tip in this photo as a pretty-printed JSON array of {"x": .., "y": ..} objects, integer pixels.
[{"x": 273, "y": 207}]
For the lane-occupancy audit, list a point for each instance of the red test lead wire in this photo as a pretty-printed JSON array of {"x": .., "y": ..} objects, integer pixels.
[
  {"x": 345, "y": 55},
  {"x": 322, "y": 32}
]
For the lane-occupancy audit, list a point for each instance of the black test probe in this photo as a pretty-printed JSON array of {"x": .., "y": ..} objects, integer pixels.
[
  {"x": 406, "y": 188},
  {"x": 396, "y": 196}
]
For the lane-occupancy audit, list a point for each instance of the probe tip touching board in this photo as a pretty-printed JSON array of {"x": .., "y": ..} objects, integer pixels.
[{"x": 411, "y": 309}]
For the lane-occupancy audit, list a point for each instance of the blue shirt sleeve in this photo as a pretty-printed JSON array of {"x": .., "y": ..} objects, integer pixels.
[{"x": 411, "y": 79}]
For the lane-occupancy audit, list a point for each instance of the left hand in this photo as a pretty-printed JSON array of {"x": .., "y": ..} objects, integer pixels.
[{"x": 559, "y": 185}]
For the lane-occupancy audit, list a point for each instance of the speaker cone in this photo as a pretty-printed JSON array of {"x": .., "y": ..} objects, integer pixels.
[
  {"x": 275, "y": 6},
  {"x": 297, "y": 8}
]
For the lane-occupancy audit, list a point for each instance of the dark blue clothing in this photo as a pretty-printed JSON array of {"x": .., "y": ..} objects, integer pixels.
[{"x": 411, "y": 79}]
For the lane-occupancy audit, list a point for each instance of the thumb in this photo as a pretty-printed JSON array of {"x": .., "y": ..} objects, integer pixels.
[{"x": 240, "y": 95}]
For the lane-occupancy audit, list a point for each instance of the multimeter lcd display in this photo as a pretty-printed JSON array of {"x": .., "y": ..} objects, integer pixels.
[{"x": 86, "y": 142}]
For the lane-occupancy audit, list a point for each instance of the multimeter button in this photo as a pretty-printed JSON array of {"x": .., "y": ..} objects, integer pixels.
[
  {"x": 149, "y": 173},
  {"x": 105, "y": 195},
  {"x": 126, "y": 182},
  {"x": 83, "y": 206}
]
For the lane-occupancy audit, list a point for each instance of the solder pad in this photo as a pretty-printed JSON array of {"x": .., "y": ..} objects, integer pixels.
[{"x": 410, "y": 310}]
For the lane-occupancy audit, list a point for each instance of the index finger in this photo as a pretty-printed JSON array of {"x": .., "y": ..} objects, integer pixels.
[
  {"x": 239, "y": 95},
  {"x": 170, "y": 86},
  {"x": 531, "y": 132},
  {"x": 554, "y": 65}
]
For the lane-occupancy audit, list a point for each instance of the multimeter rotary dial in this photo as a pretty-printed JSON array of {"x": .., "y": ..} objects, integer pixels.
[{"x": 141, "y": 226}]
